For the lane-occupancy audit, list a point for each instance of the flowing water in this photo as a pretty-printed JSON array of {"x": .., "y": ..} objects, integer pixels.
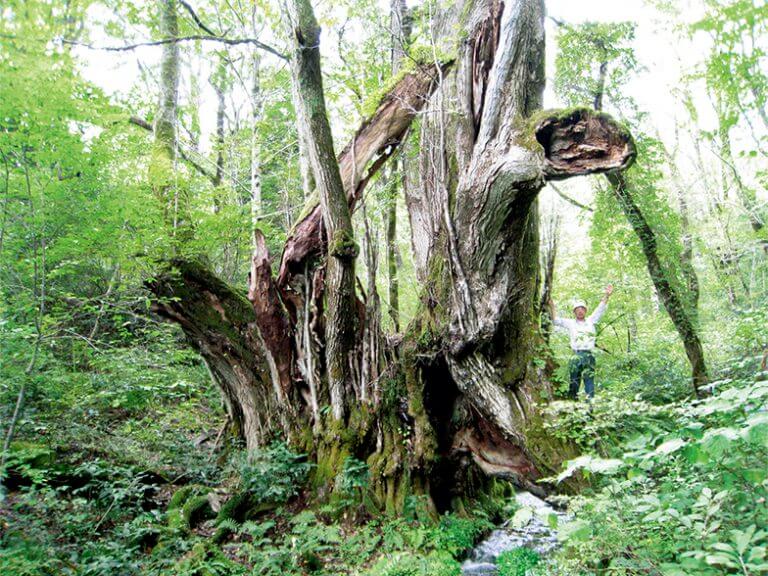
[{"x": 529, "y": 527}]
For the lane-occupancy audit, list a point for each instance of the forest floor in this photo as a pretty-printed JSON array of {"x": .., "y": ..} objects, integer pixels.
[{"x": 132, "y": 482}]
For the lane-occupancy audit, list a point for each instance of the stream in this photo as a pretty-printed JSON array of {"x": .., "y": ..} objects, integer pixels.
[{"x": 529, "y": 527}]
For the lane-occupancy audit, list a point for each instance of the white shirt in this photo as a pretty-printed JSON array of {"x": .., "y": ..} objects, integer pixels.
[{"x": 582, "y": 332}]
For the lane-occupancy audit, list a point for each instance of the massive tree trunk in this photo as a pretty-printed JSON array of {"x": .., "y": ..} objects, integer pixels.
[
  {"x": 463, "y": 401},
  {"x": 472, "y": 203}
]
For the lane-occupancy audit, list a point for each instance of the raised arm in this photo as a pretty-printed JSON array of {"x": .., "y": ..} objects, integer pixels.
[
  {"x": 603, "y": 306},
  {"x": 553, "y": 314}
]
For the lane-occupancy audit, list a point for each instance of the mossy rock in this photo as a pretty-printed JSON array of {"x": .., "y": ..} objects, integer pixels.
[
  {"x": 183, "y": 494},
  {"x": 32, "y": 455},
  {"x": 196, "y": 510}
]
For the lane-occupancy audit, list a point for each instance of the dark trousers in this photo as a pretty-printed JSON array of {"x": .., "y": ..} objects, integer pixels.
[{"x": 582, "y": 365}]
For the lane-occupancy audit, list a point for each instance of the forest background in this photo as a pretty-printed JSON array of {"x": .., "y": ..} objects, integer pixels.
[{"x": 118, "y": 453}]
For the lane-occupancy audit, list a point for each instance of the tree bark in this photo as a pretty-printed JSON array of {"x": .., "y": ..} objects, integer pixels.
[
  {"x": 220, "y": 323},
  {"x": 472, "y": 206},
  {"x": 400, "y": 34},
  {"x": 164, "y": 150},
  {"x": 374, "y": 142},
  {"x": 342, "y": 251}
]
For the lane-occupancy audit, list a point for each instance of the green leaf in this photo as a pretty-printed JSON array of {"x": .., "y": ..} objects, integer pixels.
[
  {"x": 743, "y": 538},
  {"x": 590, "y": 464},
  {"x": 578, "y": 531},
  {"x": 720, "y": 560},
  {"x": 717, "y": 442},
  {"x": 670, "y": 446}
]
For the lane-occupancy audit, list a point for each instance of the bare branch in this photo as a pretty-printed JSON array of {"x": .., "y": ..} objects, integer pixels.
[
  {"x": 229, "y": 41},
  {"x": 196, "y": 18},
  {"x": 570, "y": 200}
]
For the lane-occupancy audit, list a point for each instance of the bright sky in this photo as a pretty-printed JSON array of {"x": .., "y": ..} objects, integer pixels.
[
  {"x": 658, "y": 50},
  {"x": 663, "y": 57}
]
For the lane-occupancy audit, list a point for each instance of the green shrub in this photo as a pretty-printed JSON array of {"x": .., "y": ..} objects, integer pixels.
[
  {"x": 517, "y": 562},
  {"x": 456, "y": 534},
  {"x": 274, "y": 474},
  {"x": 406, "y": 564}
]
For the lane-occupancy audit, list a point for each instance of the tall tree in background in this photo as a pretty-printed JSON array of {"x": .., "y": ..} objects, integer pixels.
[
  {"x": 593, "y": 63},
  {"x": 165, "y": 126},
  {"x": 737, "y": 84}
]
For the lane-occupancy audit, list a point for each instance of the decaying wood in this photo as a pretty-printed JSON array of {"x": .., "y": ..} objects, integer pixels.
[
  {"x": 274, "y": 326},
  {"x": 372, "y": 144},
  {"x": 583, "y": 142},
  {"x": 220, "y": 323}
]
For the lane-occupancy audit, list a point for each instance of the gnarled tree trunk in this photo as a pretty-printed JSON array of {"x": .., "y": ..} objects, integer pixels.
[{"x": 463, "y": 402}]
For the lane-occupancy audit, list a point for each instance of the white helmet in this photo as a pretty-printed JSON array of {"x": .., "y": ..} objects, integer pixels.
[{"x": 579, "y": 304}]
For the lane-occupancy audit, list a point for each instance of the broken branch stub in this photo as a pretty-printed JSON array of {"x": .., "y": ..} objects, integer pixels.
[{"x": 583, "y": 141}]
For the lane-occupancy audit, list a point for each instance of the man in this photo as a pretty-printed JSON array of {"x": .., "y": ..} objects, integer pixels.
[{"x": 581, "y": 330}]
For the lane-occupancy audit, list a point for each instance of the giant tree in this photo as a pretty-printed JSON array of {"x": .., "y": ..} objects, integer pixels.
[{"x": 463, "y": 402}]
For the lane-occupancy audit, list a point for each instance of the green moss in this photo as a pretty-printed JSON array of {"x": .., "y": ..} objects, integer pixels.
[
  {"x": 235, "y": 508},
  {"x": 418, "y": 55},
  {"x": 181, "y": 496},
  {"x": 176, "y": 520},
  {"x": 343, "y": 245},
  {"x": 309, "y": 205},
  {"x": 196, "y": 510}
]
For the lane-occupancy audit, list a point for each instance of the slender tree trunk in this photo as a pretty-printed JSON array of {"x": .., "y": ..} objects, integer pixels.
[
  {"x": 400, "y": 34},
  {"x": 256, "y": 104},
  {"x": 218, "y": 84},
  {"x": 342, "y": 250},
  {"x": 162, "y": 165},
  {"x": 549, "y": 256},
  {"x": 673, "y": 302},
  {"x": 686, "y": 257},
  {"x": 678, "y": 307}
]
